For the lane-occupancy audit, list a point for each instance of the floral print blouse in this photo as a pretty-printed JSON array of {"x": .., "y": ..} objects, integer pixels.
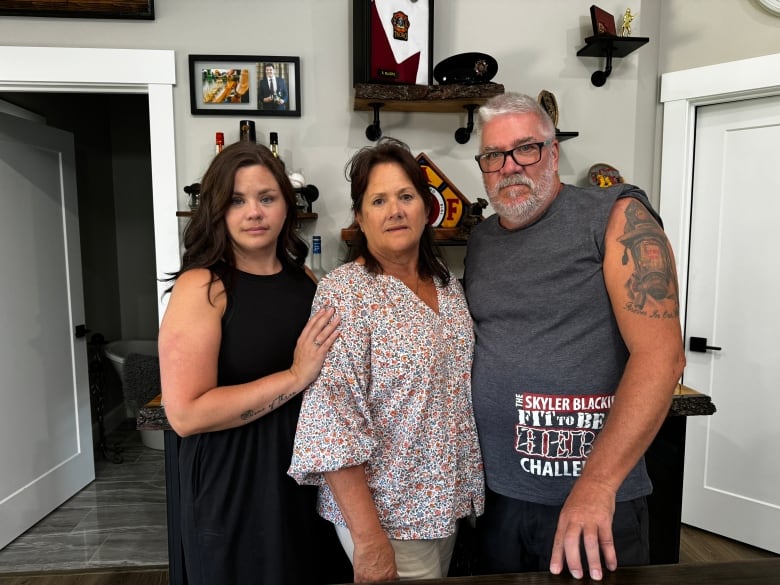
[{"x": 395, "y": 394}]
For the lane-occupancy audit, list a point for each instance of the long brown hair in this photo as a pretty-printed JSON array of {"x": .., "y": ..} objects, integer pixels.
[
  {"x": 206, "y": 237},
  {"x": 358, "y": 170}
]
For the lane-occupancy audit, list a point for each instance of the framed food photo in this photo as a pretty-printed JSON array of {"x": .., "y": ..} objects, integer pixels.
[
  {"x": 245, "y": 85},
  {"x": 392, "y": 41},
  {"x": 122, "y": 9}
]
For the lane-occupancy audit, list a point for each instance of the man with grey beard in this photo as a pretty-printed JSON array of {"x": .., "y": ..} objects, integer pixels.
[{"x": 574, "y": 297}]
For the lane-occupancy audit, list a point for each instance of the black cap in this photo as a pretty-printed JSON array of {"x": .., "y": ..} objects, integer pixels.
[{"x": 466, "y": 68}]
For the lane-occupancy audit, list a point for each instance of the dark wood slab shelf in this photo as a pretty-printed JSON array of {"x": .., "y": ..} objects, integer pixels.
[
  {"x": 686, "y": 401},
  {"x": 301, "y": 214},
  {"x": 441, "y": 236},
  {"x": 452, "y": 98},
  {"x": 689, "y": 402}
]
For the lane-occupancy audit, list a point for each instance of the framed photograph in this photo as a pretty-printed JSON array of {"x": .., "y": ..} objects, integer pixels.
[
  {"x": 392, "y": 41},
  {"x": 603, "y": 22},
  {"x": 245, "y": 85},
  {"x": 132, "y": 9}
]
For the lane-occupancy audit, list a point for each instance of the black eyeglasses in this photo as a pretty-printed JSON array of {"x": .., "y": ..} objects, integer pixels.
[{"x": 524, "y": 155}]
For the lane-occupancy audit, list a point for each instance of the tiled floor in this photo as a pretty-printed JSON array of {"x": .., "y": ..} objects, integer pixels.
[{"x": 117, "y": 520}]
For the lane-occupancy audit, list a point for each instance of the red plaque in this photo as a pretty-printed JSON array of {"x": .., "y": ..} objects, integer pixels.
[{"x": 603, "y": 22}]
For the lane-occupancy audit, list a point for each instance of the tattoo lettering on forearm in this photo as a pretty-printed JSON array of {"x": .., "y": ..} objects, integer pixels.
[
  {"x": 273, "y": 405},
  {"x": 653, "y": 280},
  {"x": 279, "y": 400}
]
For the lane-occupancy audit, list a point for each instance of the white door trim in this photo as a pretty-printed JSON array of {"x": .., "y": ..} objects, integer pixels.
[
  {"x": 681, "y": 93},
  {"x": 64, "y": 69}
]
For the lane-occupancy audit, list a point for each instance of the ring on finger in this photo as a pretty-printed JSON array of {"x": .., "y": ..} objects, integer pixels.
[{"x": 317, "y": 343}]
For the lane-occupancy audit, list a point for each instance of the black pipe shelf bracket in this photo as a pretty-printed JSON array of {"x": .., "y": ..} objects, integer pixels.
[
  {"x": 609, "y": 47},
  {"x": 374, "y": 130},
  {"x": 462, "y": 135}
]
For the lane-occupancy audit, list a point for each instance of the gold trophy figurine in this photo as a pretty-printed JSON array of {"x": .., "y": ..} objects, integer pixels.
[{"x": 625, "y": 30}]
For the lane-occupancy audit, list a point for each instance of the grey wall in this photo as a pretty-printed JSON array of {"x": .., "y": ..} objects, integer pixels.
[
  {"x": 534, "y": 42},
  {"x": 696, "y": 33}
]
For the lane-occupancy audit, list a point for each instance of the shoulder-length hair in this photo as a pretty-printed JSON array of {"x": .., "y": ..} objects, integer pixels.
[
  {"x": 358, "y": 170},
  {"x": 206, "y": 237}
]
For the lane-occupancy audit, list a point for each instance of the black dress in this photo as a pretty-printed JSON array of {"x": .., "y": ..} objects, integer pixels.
[{"x": 244, "y": 520}]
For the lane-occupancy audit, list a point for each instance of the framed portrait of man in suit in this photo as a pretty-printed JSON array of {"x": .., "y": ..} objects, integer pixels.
[
  {"x": 244, "y": 85},
  {"x": 392, "y": 41}
]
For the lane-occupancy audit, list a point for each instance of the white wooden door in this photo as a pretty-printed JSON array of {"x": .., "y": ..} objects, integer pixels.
[
  {"x": 732, "y": 468},
  {"x": 45, "y": 426}
]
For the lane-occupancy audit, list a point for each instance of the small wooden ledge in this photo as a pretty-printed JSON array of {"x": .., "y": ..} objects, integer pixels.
[
  {"x": 151, "y": 416},
  {"x": 423, "y": 98},
  {"x": 689, "y": 402},
  {"x": 686, "y": 402}
]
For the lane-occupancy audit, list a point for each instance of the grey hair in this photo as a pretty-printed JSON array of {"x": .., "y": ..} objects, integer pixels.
[{"x": 514, "y": 103}]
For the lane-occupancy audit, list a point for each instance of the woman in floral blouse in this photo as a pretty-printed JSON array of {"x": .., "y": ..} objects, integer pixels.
[{"x": 387, "y": 430}]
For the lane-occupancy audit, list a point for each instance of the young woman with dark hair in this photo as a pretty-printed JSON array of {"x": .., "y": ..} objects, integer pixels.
[{"x": 237, "y": 347}]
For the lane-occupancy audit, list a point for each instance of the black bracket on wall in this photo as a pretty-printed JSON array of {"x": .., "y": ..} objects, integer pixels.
[
  {"x": 374, "y": 131},
  {"x": 609, "y": 46},
  {"x": 462, "y": 135}
]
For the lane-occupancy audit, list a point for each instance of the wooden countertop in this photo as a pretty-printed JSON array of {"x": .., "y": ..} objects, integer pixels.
[
  {"x": 689, "y": 402},
  {"x": 151, "y": 416},
  {"x": 686, "y": 402},
  {"x": 753, "y": 572}
]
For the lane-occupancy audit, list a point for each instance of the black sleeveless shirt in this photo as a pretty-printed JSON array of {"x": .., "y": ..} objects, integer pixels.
[{"x": 244, "y": 519}]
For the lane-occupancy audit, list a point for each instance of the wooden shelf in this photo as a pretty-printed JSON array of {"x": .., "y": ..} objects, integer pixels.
[
  {"x": 601, "y": 45},
  {"x": 451, "y": 98},
  {"x": 608, "y": 46},
  {"x": 441, "y": 236},
  {"x": 561, "y": 136},
  {"x": 301, "y": 215}
]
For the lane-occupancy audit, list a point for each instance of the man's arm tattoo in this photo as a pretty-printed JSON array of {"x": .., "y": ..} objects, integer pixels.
[{"x": 653, "y": 277}]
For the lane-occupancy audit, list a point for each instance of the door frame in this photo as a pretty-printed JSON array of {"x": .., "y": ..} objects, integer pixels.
[
  {"x": 153, "y": 72},
  {"x": 681, "y": 93}
]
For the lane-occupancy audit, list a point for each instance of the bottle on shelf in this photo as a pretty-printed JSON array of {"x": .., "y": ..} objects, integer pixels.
[
  {"x": 246, "y": 130},
  {"x": 273, "y": 139},
  {"x": 316, "y": 257},
  {"x": 273, "y": 144},
  {"x": 220, "y": 142}
]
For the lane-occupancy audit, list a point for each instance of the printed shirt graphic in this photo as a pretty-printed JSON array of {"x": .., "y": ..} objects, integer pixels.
[{"x": 555, "y": 434}]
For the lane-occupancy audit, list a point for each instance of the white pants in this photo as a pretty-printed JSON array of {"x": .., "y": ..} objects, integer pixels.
[{"x": 414, "y": 559}]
